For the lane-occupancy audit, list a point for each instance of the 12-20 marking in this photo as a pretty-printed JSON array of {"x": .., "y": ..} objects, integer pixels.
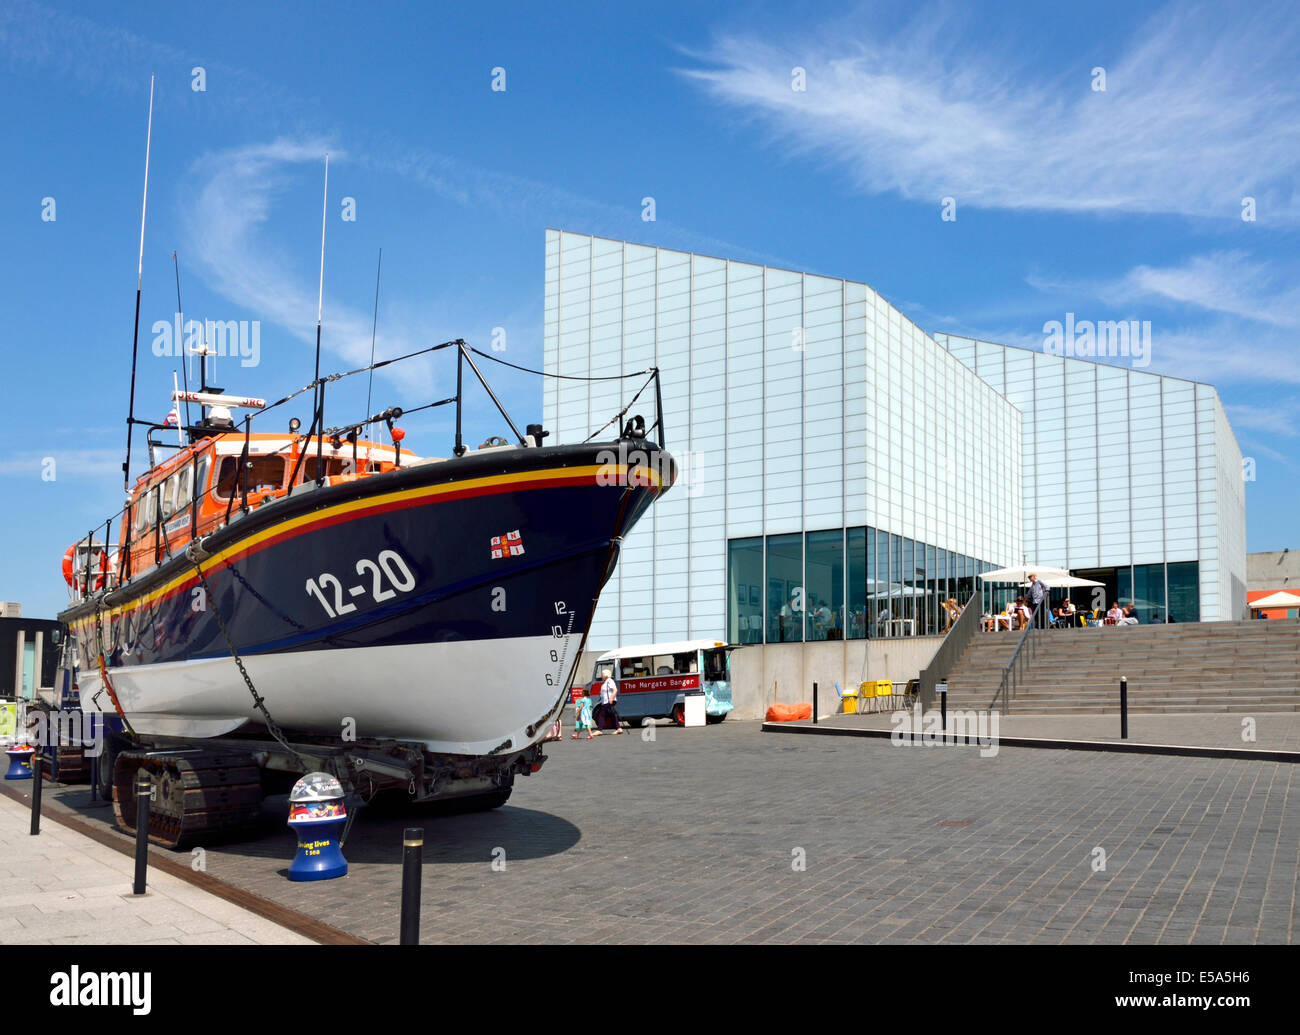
[{"x": 390, "y": 563}]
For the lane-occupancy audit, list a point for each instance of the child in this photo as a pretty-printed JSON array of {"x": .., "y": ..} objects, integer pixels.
[{"x": 583, "y": 719}]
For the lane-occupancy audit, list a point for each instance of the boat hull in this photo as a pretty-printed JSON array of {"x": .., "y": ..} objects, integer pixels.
[{"x": 445, "y": 603}]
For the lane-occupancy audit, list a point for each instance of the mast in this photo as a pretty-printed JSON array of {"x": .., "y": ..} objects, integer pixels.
[
  {"x": 139, "y": 281},
  {"x": 320, "y": 308},
  {"x": 373, "y": 328},
  {"x": 180, "y": 330}
]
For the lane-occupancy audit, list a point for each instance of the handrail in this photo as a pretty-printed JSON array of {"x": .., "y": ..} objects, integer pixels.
[
  {"x": 1019, "y": 656},
  {"x": 955, "y": 641},
  {"x": 120, "y": 572}
]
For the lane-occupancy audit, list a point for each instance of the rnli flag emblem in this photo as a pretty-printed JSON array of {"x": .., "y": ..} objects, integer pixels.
[{"x": 509, "y": 545}]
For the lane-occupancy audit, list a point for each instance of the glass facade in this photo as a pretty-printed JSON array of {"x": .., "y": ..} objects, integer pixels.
[
  {"x": 856, "y": 583},
  {"x": 1125, "y": 469},
  {"x": 804, "y": 408}
]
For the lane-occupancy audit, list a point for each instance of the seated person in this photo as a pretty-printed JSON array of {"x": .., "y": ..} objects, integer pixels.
[
  {"x": 1129, "y": 615},
  {"x": 1021, "y": 613},
  {"x": 1115, "y": 615},
  {"x": 1067, "y": 611}
]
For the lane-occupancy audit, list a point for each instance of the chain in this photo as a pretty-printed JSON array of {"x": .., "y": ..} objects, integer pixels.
[
  {"x": 103, "y": 672},
  {"x": 258, "y": 701}
]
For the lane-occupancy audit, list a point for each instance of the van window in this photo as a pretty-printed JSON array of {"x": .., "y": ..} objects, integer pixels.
[{"x": 715, "y": 665}]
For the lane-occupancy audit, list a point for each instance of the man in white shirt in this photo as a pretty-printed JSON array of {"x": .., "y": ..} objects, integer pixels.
[{"x": 609, "y": 699}]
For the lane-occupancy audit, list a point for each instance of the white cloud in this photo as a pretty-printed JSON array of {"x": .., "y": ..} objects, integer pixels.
[
  {"x": 225, "y": 221},
  {"x": 1201, "y": 108},
  {"x": 1277, "y": 420},
  {"x": 90, "y": 463}
]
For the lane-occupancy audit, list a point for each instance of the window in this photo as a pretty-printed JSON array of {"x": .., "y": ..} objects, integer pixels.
[
  {"x": 715, "y": 665},
  {"x": 167, "y": 498},
  {"x": 265, "y": 474},
  {"x": 184, "y": 488},
  {"x": 745, "y": 590},
  {"x": 786, "y": 600},
  {"x": 1149, "y": 592},
  {"x": 824, "y": 588},
  {"x": 859, "y": 560},
  {"x": 331, "y": 465},
  {"x": 1185, "y": 592}
]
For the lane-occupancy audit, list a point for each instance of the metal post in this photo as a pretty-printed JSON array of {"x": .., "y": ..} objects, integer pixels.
[
  {"x": 94, "y": 777},
  {"x": 814, "y": 704},
  {"x": 943, "y": 709},
  {"x": 1123, "y": 707},
  {"x": 143, "y": 788},
  {"x": 37, "y": 760},
  {"x": 412, "y": 859}
]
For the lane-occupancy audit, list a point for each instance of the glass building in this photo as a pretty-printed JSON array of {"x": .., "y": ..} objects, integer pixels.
[
  {"x": 845, "y": 473},
  {"x": 1129, "y": 478}
]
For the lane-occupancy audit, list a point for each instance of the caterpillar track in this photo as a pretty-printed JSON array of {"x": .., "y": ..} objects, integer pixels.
[{"x": 198, "y": 794}]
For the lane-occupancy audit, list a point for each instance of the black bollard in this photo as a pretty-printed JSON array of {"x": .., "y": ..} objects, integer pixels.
[
  {"x": 1123, "y": 707},
  {"x": 943, "y": 709},
  {"x": 94, "y": 779},
  {"x": 412, "y": 860},
  {"x": 814, "y": 704},
  {"x": 36, "y": 793},
  {"x": 143, "y": 788}
]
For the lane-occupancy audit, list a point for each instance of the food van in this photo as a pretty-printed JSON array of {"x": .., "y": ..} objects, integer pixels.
[{"x": 654, "y": 679}]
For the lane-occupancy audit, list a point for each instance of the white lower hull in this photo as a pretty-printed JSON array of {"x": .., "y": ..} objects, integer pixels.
[{"x": 461, "y": 697}]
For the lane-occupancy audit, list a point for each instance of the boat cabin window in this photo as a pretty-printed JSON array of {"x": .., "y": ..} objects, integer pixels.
[
  {"x": 205, "y": 465},
  {"x": 147, "y": 510},
  {"x": 141, "y": 515},
  {"x": 265, "y": 474},
  {"x": 331, "y": 465},
  {"x": 184, "y": 488},
  {"x": 167, "y": 498}
]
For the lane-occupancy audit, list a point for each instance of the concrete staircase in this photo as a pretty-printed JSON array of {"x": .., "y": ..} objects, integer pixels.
[{"x": 1197, "y": 667}]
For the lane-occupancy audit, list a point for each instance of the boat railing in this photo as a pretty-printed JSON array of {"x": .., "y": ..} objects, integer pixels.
[{"x": 108, "y": 566}]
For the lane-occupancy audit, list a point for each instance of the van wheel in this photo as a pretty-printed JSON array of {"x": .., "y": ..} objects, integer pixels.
[
  {"x": 713, "y": 720},
  {"x": 679, "y": 714}
]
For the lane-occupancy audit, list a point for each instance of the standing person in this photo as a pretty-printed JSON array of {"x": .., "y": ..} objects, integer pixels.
[
  {"x": 583, "y": 719},
  {"x": 609, "y": 700},
  {"x": 1037, "y": 594}
]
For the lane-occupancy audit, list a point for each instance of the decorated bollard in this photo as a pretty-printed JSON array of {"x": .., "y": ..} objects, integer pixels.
[
  {"x": 317, "y": 816},
  {"x": 20, "y": 762}
]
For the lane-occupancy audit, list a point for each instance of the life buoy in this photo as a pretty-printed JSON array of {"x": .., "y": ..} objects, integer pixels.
[{"x": 74, "y": 574}]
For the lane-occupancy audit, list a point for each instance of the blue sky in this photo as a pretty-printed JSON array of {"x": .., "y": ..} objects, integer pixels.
[{"x": 1118, "y": 204}]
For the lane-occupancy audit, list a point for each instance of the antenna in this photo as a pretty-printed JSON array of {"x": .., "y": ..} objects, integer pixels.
[
  {"x": 180, "y": 328},
  {"x": 176, "y": 391},
  {"x": 374, "y": 327},
  {"x": 320, "y": 308},
  {"x": 139, "y": 281}
]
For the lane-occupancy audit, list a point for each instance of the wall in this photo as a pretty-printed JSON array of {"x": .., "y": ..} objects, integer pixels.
[
  {"x": 1145, "y": 466},
  {"x": 1277, "y": 569},
  {"x": 762, "y": 675},
  {"x": 796, "y": 402}
]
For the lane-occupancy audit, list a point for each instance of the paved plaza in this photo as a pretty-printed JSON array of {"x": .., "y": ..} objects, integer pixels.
[
  {"x": 62, "y": 888},
  {"x": 727, "y": 834}
]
